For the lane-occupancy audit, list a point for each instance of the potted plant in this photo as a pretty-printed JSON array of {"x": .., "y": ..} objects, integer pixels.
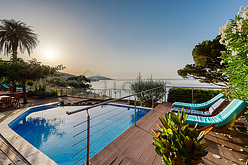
[{"x": 176, "y": 143}]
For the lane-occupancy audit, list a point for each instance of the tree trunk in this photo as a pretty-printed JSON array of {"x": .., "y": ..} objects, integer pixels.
[
  {"x": 14, "y": 59},
  {"x": 25, "y": 98},
  {"x": 13, "y": 86}
]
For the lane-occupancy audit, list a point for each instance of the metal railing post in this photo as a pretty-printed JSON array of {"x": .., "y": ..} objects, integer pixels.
[
  {"x": 88, "y": 139},
  {"x": 192, "y": 95},
  {"x": 152, "y": 100},
  {"x": 165, "y": 94},
  {"x": 134, "y": 110},
  {"x": 129, "y": 97}
]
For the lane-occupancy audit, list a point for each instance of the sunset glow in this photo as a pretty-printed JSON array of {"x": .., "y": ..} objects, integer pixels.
[
  {"x": 50, "y": 54},
  {"x": 120, "y": 39}
]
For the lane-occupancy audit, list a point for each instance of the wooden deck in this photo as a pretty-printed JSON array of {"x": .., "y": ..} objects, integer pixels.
[{"x": 134, "y": 145}]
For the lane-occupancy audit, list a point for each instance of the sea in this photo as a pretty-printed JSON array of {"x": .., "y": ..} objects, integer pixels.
[{"x": 122, "y": 87}]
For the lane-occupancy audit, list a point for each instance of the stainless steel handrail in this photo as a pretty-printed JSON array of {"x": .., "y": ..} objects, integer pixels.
[
  {"x": 169, "y": 86},
  {"x": 109, "y": 101},
  {"x": 106, "y": 102}
]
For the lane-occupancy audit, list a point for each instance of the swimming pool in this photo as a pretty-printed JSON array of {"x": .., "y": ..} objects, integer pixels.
[{"x": 52, "y": 131}]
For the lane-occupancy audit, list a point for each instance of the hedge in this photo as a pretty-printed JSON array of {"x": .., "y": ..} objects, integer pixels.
[{"x": 185, "y": 95}]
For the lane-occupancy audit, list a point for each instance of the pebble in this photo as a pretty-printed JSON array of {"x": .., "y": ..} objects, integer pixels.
[
  {"x": 241, "y": 160},
  {"x": 216, "y": 156},
  {"x": 246, "y": 146},
  {"x": 230, "y": 149},
  {"x": 241, "y": 149}
]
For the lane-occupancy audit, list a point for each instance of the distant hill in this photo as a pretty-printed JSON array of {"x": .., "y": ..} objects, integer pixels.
[
  {"x": 65, "y": 76},
  {"x": 98, "y": 78}
]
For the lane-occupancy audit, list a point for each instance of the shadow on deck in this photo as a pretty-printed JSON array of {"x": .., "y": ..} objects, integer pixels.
[{"x": 134, "y": 145}]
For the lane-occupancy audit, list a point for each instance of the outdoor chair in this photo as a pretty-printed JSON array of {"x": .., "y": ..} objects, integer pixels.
[
  {"x": 210, "y": 112},
  {"x": 16, "y": 100},
  {"x": 223, "y": 122},
  {"x": 5, "y": 102},
  {"x": 201, "y": 105}
]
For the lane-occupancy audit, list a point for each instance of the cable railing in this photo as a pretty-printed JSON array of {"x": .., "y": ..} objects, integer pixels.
[
  {"x": 105, "y": 132},
  {"x": 95, "y": 93},
  {"x": 192, "y": 88},
  {"x": 99, "y": 127}
]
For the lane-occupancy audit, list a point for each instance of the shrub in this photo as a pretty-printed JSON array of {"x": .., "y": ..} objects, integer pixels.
[
  {"x": 146, "y": 98},
  {"x": 176, "y": 143},
  {"x": 234, "y": 37},
  {"x": 30, "y": 83},
  {"x": 185, "y": 95},
  {"x": 40, "y": 94},
  {"x": 62, "y": 102},
  {"x": 55, "y": 92}
]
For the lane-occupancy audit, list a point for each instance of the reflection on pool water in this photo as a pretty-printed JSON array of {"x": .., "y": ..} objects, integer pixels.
[{"x": 52, "y": 131}]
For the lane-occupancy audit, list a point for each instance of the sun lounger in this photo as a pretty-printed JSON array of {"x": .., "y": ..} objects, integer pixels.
[
  {"x": 201, "y": 105},
  {"x": 211, "y": 111},
  {"x": 5, "y": 87},
  {"x": 17, "y": 88},
  {"x": 233, "y": 110}
]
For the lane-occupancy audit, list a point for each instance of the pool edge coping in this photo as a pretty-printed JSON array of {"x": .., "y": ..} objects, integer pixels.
[{"x": 31, "y": 153}]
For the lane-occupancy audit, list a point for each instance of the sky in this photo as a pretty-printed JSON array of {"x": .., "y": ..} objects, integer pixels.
[{"x": 120, "y": 38}]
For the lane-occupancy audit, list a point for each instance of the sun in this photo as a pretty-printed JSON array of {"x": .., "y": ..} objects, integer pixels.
[{"x": 49, "y": 54}]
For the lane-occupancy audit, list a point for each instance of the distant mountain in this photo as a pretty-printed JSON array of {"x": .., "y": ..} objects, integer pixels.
[
  {"x": 98, "y": 78},
  {"x": 65, "y": 76}
]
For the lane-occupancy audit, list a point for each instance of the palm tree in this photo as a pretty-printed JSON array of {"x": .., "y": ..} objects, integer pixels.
[{"x": 14, "y": 36}]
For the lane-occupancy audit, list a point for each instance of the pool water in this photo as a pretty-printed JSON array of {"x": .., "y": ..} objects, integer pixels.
[{"x": 52, "y": 130}]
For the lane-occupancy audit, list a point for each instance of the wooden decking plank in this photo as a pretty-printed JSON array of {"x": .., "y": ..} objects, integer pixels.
[
  {"x": 213, "y": 149},
  {"x": 146, "y": 153},
  {"x": 124, "y": 143},
  {"x": 229, "y": 145},
  {"x": 157, "y": 160},
  {"x": 151, "y": 158},
  {"x": 139, "y": 145},
  {"x": 206, "y": 158},
  {"x": 160, "y": 110},
  {"x": 240, "y": 150},
  {"x": 134, "y": 146},
  {"x": 147, "y": 137},
  {"x": 226, "y": 152}
]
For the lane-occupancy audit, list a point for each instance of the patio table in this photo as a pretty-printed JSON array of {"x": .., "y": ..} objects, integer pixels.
[
  {"x": 4, "y": 96},
  {"x": 5, "y": 101}
]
